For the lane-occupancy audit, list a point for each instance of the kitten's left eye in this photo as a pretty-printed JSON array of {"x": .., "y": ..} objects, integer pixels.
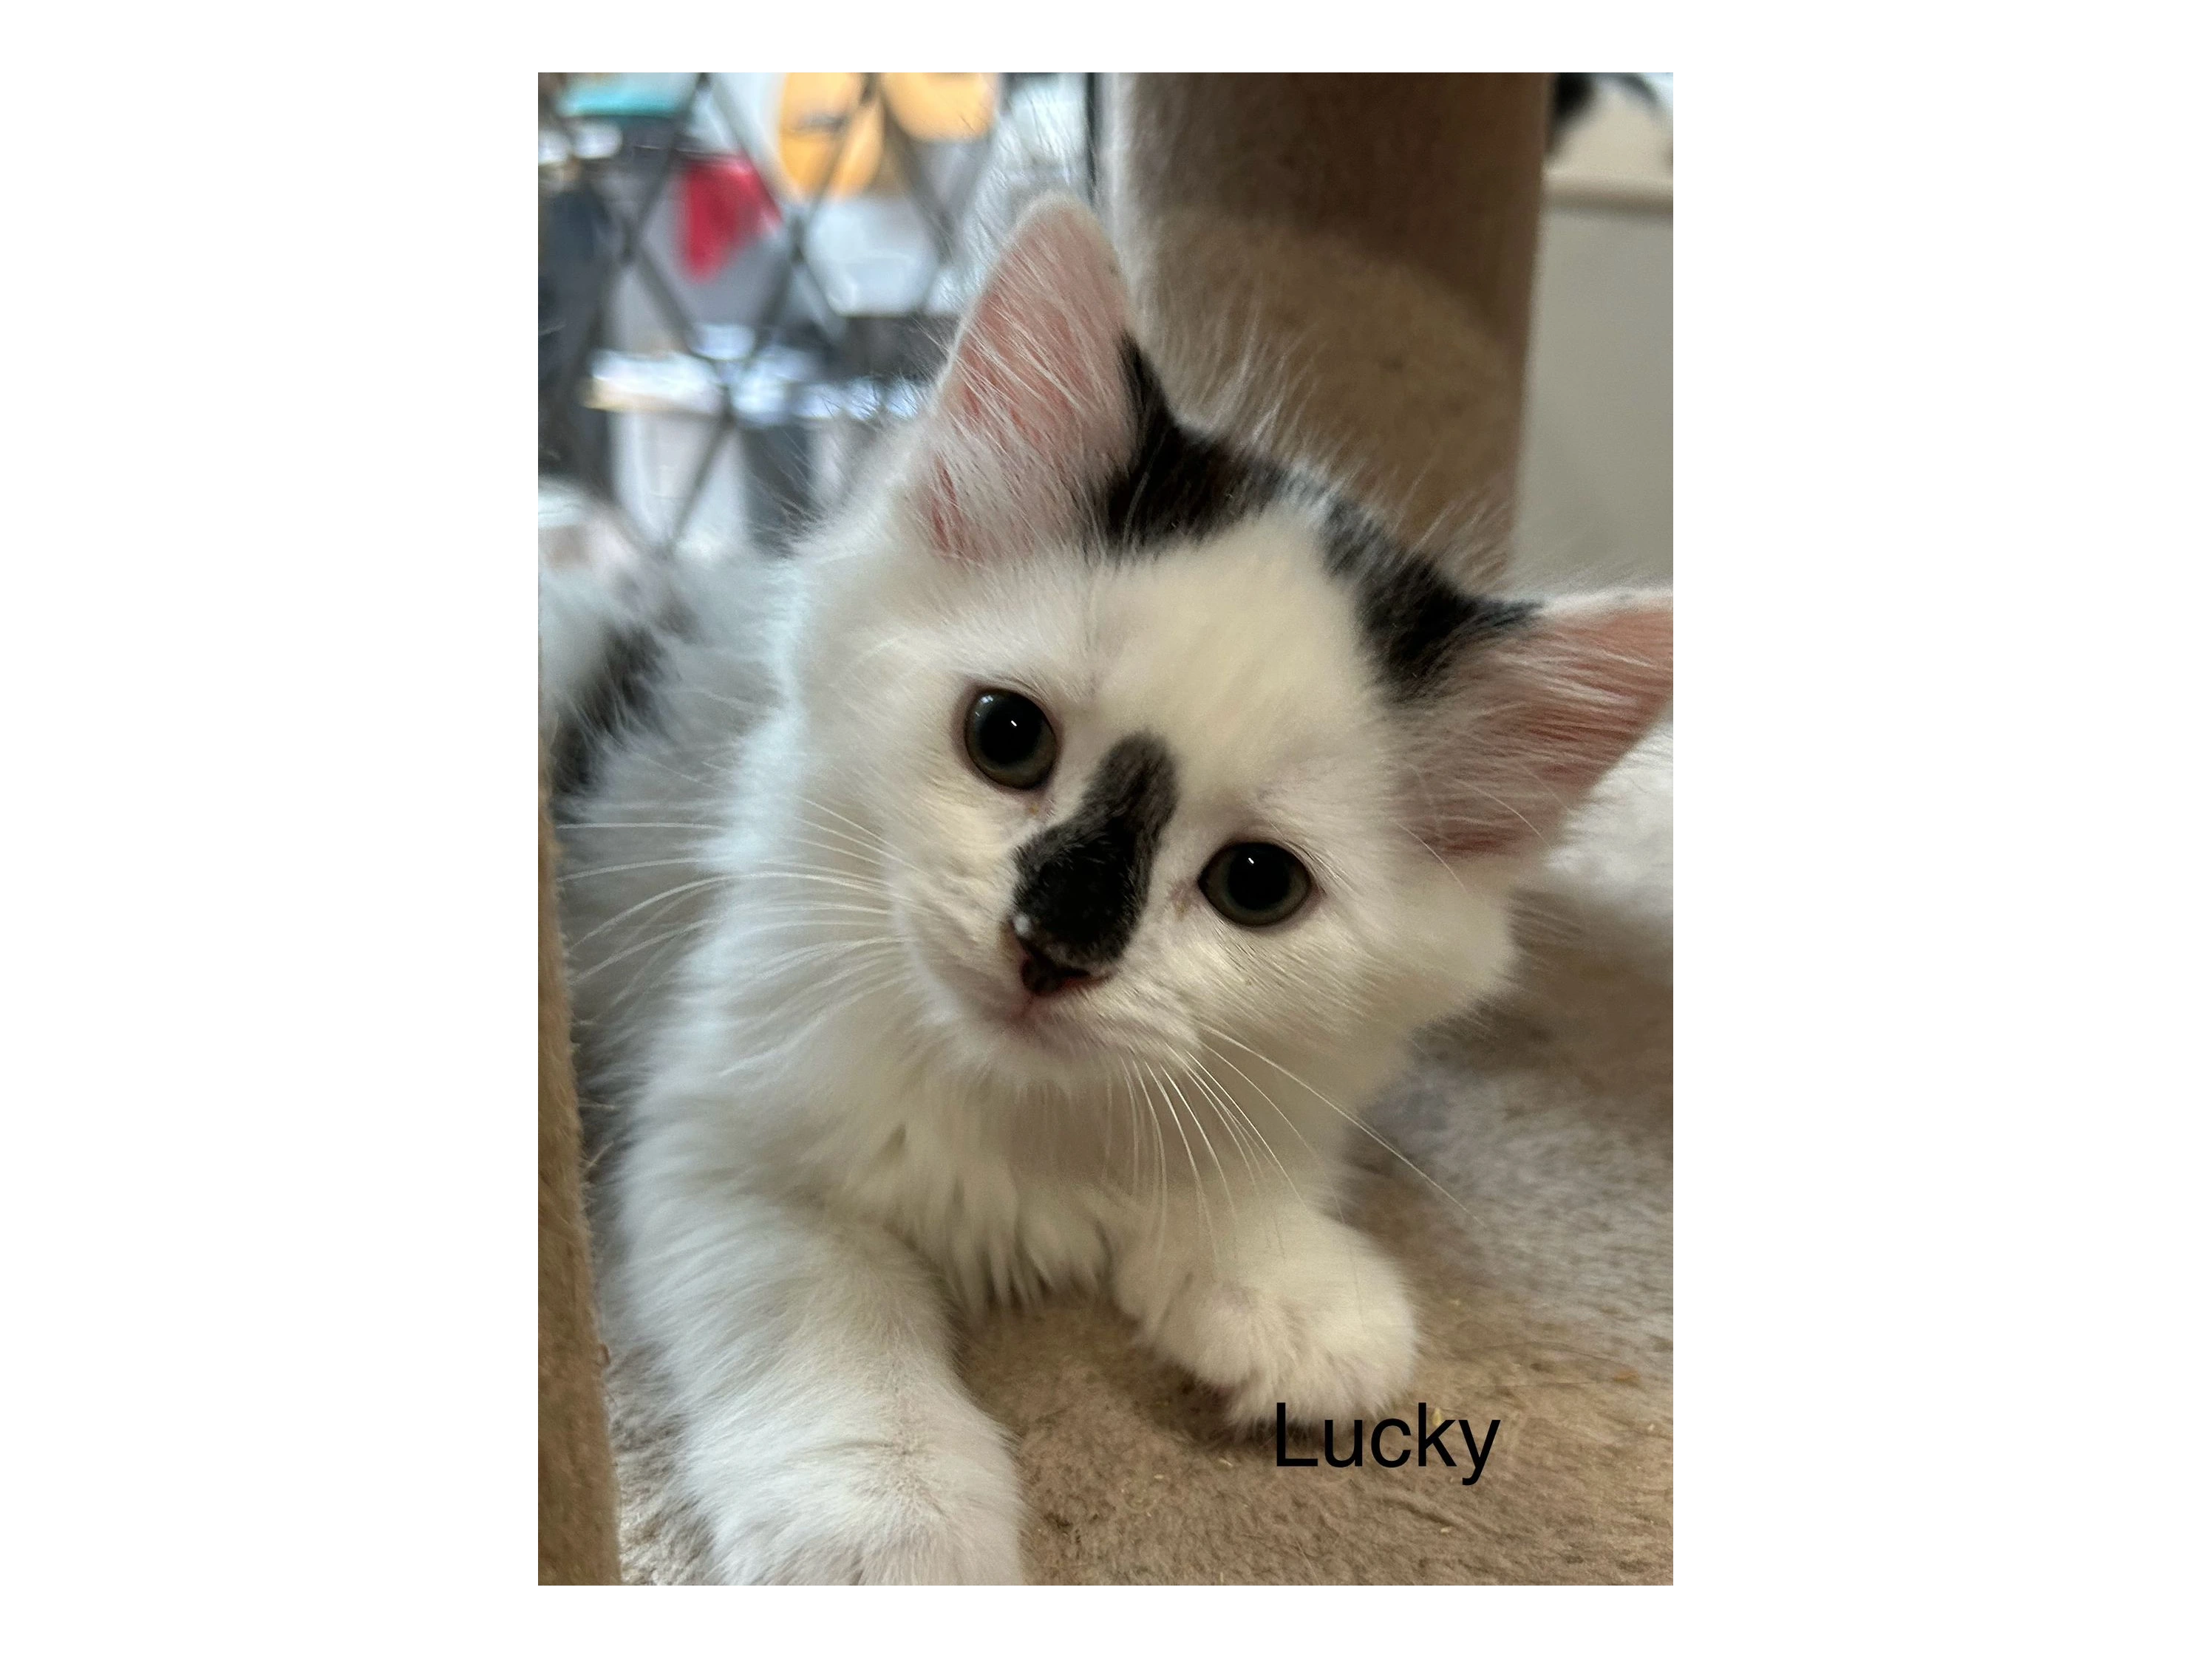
[{"x": 1256, "y": 884}]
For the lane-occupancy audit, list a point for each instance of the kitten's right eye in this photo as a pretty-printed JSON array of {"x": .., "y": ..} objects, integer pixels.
[
  {"x": 1010, "y": 740},
  {"x": 1256, "y": 884}
]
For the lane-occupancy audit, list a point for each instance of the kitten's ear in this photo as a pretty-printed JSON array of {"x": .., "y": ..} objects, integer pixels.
[
  {"x": 1035, "y": 406},
  {"x": 1531, "y": 719}
]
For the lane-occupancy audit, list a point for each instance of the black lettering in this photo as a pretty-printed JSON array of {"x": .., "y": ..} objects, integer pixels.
[
  {"x": 1435, "y": 1440},
  {"x": 1467, "y": 1432},
  {"x": 1376, "y": 1443},
  {"x": 1328, "y": 1443},
  {"x": 1283, "y": 1457}
]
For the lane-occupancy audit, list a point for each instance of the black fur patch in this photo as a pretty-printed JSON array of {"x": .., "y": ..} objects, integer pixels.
[
  {"x": 1083, "y": 882},
  {"x": 1414, "y": 620},
  {"x": 1177, "y": 483},
  {"x": 619, "y": 700}
]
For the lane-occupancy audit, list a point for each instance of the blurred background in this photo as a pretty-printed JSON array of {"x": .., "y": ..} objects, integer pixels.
[{"x": 746, "y": 280}]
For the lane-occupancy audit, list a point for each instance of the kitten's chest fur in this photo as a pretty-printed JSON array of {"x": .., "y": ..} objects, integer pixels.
[{"x": 983, "y": 1205}]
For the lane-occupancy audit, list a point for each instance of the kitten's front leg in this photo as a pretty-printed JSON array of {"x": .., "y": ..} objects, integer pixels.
[
  {"x": 1274, "y": 1303},
  {"x": 823, "y": 1433}
]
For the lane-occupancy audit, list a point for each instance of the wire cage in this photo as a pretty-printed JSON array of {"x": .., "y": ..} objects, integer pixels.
[{"x": 745, "y": 281}]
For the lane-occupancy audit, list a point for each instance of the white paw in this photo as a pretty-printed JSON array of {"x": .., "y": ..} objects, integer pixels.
[
  {"x": 1317, "y": 1321},
  {"x": 850, "y": 1537},
  {"x": 887, "y": 1511}
]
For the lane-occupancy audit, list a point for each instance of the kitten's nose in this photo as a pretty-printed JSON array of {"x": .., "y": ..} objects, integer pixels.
[{"x": 1043, "y": 971}]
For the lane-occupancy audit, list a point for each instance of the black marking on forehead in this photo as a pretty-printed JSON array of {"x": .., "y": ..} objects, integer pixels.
[
  {"x": 1414, "y": 620},
  {"x": 1176, "y": 483},
  {"x": 1082, "y": 883},
  {"x": 1179, "y": 484}
]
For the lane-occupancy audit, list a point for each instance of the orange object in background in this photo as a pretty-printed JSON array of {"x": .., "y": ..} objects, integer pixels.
[
  {"x": 819, "y": 113},
  {"x": 826, "y": 121},
  {"x": 943, "y": 109}
]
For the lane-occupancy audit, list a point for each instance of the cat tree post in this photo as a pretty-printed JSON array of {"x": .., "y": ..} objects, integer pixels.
[
  {"x": 575, "y": 1466},
  {"x": 1349, "y": 256}
]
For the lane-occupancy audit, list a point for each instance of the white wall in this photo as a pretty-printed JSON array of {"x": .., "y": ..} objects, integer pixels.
[
  {"x": 1597, "y": 464},
  {"x": 1597, "y": 492}
]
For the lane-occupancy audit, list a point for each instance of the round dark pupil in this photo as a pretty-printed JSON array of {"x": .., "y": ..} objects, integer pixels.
[
  {"x": 1009, "y": 729},
  {"x": 1259, "y": 880}
]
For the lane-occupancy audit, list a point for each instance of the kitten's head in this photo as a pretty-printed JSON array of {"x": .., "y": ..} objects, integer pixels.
[{"x": 1172, "y": 750}]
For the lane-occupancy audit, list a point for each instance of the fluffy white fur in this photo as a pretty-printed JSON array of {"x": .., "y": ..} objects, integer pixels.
[{"x": 786, "y": 908}]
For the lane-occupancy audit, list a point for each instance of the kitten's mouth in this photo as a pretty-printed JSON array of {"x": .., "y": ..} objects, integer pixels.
[
  {"x": 998, "y": 999},
  {"x": 1041, "y": 1021}
]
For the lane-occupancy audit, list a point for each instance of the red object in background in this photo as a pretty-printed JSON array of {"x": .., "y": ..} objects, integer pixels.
[{"x": 725, "y": 205}]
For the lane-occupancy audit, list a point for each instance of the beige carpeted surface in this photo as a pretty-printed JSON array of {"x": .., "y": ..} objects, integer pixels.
[{"x": 1544, "y": 1282}]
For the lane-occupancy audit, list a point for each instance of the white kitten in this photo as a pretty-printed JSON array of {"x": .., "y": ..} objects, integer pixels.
[{"x": 1022, "y": 890}]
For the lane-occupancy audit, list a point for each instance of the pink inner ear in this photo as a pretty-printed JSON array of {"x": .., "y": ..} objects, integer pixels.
[
  {"x": 1033, "y": 407},
  {"x": 1613, "y": 673},
  {"x": 949, "y": 531},
  {"x": 1540, "y": 718}
]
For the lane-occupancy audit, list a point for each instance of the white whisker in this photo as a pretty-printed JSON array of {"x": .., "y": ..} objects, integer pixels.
[{"x": 1340, "y": 1111}]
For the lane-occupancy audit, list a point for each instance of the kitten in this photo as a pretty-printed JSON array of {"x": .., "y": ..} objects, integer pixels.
[{"x": 1024, "y": 895}]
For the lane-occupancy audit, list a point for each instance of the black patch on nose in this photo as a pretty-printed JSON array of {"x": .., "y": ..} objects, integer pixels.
[
  {"x": 1414, "y": 620},
  {"x": 1176, "y": 483},
  {"x": 1081, "y": 884}
]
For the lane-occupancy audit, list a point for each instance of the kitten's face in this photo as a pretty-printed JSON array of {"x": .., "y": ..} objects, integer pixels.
[
  {"x": 1168, "y": 752},
  {"x": 1199, "y": 844}
]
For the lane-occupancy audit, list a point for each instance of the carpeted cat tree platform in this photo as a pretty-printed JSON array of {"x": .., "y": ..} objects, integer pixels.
[{"x": 1345, "y": 261}]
